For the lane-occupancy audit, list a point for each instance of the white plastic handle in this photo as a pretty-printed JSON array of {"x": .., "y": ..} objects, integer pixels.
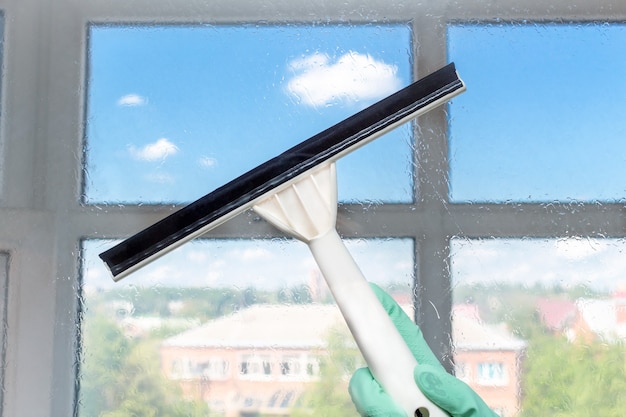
[{"x": 307, "y": 210}]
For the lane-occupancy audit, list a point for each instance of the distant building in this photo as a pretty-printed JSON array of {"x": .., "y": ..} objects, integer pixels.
[
  {"x": 489, "y": 359},
  {"x": 258, "y": 360},
  {"x": 586, "y": 319},
  {"x": 261, "y": 359}
]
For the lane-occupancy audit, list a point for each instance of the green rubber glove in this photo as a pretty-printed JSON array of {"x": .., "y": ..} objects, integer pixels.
[{"x": 443, "y": 389}]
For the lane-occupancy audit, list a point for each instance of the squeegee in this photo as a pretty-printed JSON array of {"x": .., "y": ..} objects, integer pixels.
[{"x": 296, "y": 192}]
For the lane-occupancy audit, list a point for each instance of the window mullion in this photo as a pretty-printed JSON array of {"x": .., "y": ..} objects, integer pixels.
[
  {"x": 537, "y": 220},
  {"x": 65, "y": 84},
  {"x": 432, "y": 274}
]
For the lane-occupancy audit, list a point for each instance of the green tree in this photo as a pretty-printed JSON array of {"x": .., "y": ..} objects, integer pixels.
[
  {"x": 104, "y": 351},
  {"x": 564, "y": 379},
  {"x": 329, "y": 397},
  {"x": 297, "y": 294},
  {"x": 122, "y": 378}
]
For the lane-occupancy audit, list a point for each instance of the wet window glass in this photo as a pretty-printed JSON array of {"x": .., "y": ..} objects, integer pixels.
[
  {"x": 543, "y": 117},
  {"x": 174, "y": 112},
  {"x": 224, "y": 325},
  {"x": 216, "y": 326},
  {"x": 535, "y": 318},
  {"x": 541, "y": 123}
]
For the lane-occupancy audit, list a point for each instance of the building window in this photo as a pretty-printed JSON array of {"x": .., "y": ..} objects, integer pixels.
[
  {"x": 287, "y": 399},
  {"x": 313, "y": 367},
  {"x": 213, "y": 369},
  {"x": 291, "y": 366},
  {"x": 491, "y": 373},
  {"x": 255, "y": 366}
]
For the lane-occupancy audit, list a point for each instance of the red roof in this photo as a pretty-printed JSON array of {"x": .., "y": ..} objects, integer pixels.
[{"x": 556, "y": 314}]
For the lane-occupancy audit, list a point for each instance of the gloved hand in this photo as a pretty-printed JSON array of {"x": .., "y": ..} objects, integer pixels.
[{"x": 446, "y": 391}]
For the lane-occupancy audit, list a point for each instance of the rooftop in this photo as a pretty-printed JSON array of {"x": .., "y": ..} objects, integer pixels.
[
  {"x": 471, "y": 334},
  {"x": 265, "y": 325},
  {"x": 307, "y": 326}
]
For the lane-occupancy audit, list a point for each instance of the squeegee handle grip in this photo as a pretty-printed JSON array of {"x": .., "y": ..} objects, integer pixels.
[{"x": 387, "y": 355}]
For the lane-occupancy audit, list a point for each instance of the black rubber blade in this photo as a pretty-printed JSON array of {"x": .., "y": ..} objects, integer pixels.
[{"x": 240, "y": 194}]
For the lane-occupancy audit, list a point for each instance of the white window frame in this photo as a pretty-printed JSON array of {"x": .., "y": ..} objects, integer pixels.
[{"x": 41, "y": 137}]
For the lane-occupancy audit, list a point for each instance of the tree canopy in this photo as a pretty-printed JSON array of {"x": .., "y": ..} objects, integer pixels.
[
  {"x": 564, "y": 379},
  {"x": 120, "y": 377}
]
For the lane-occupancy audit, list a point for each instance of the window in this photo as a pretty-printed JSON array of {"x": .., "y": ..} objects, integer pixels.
[
  {"x": 166, "y": 135},
  {"x": 256, "y": 366},
  {"x": 544, "y": 285},
  {"x": 502, "y": 150},
  {"x": 287, "y": 399},
  {"x": 491, "y": 373},
  {"x": 313, "y": 367},
  {"x": 244, "y": 94},
  {"x": 291, "y": 366},
  {"x": 214, "y": 369},
  {"x": 450, "y": 204}
]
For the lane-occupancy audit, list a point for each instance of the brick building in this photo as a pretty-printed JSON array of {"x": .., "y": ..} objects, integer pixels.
[
  {"x": 489, "y": 359},
  {"x": 261, "y": 359}
]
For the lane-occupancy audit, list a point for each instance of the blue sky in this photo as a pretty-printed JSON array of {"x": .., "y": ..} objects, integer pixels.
[
  {"x": 174, "y": 112},
  {"x": 544, "y": 116},
  {"x": 183, "y": 110}
]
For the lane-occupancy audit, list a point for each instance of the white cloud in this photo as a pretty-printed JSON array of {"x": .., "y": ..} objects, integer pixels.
[
  {"x": 207, "y": 162},
  {"x": 353, "y": 77},
  {"x": 160, "y": 149},
  {"x": 131, "y": 100}
]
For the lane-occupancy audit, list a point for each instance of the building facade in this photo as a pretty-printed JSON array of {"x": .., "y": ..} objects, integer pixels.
[
  {"x": 489, "y": 359},
  {"x": 260, "y": 360}
]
